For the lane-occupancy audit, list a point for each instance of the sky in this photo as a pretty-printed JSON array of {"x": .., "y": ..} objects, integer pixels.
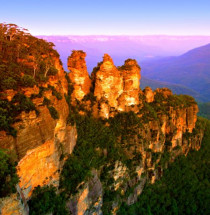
[{"x": 109, "y": 17}]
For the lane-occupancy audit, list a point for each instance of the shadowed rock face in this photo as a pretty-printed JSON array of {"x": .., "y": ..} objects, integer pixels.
[{"x": 79, "y": 75}]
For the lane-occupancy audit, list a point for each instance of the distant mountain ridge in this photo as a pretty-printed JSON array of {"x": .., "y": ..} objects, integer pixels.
[
  {"x": 175, "y": 88},
  {"x": 191, "y": 69},
  {"x": 189, "y": 72},
  {"x": 123, "y": 47}
]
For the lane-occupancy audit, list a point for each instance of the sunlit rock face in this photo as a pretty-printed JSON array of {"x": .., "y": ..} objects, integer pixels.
[
  {"x": 108, "y": 82},
  {"x": 40, "y": 137},
  {"x": 130, "y": 72},
  {"x": 149, "y": 95},
  {"x": 79, "y": 75},
  {"x": 12, "y": 205},
  {"x": 116, "y": 89}
]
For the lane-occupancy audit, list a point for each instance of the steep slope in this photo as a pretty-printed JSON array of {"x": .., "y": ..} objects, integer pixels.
[
  {"x": 33, "y": 109},
  {"x": 191, "y": 69}
]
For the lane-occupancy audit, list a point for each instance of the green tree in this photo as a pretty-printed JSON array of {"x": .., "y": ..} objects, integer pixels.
[
  {"x": 9, "y": 83},
  {"x": 44, "y": 201},
  {"x": 8, "y": 174},
  {"x": 28, "y": 81}
]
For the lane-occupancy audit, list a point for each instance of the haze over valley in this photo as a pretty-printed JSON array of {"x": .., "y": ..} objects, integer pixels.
[{"x": 164, "y": 60}]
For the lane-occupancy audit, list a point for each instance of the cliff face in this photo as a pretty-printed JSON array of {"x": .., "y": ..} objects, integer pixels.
[
  {"x": 151, "y": 125},
  {"x": 154, "y": 141},
  {"x": 40, "y": 137}
]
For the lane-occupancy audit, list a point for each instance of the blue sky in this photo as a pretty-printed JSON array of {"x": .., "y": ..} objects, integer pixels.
[{"x": 109, "y": 17}]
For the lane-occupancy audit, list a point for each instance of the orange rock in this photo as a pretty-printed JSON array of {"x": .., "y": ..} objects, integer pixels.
[
  {"x": 131, "y": 84},
  {"x": 165, "y": 91},
  {"x": 108, "y": 82},
  {"x": 38, "y": 167},
  {"x": 149, "y": 95},
  {"x": 79, "y": 74},
  {"x": 118, "y": 88}
]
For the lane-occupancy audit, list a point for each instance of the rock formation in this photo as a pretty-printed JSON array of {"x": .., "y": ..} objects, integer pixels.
[
  {"x": 116, "y": 89},
  {"x": 79, "y": 75},
  {"x": 149, "y": 95}
]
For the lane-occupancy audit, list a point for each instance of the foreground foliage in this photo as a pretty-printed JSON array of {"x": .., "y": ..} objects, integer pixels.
[{"x": 44, "y": 201}]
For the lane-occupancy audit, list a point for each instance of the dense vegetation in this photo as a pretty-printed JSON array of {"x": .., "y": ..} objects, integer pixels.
[
  {"x": 8, "y": 175},
  {"x": 24, "y": 60},
  {"x": 9, "y": 110},
  {"x": 183, "y": 189},
  {"x": 45, "y": 201}
]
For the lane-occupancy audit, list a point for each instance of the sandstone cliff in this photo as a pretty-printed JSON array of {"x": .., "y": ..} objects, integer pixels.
[{"x": 40, "y": 137}]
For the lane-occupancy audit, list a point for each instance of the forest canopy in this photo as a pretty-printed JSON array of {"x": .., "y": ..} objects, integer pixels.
[{"x": 24, "y": 60}]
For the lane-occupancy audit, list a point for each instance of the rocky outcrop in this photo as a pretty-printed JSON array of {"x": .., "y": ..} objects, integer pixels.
[
  {"x": 149, "y": 95},
  {"x": 79, "y": 75},
  {"x": 12, "y": 206},
  {"x": 89, "y": 199},
  {"x": 116, "y": 89},
  {"x": 130, "y": 72},
  {"x": 108, "y": 86}
]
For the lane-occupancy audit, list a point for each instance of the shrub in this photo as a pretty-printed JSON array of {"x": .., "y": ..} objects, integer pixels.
[
  {"x": 8, "y": 175},
  {"x": 45, "y": 201},
  {"x": 52, "y": 71},
  {"x": 9, "y": 83},
  {"x": 55, "y": 92},
  {"x": 53, "y": 112},
  {"x": 28, "y": 81},
  {"x": 46, "y": 101},
  {"x": 73, "y": 173},
  {"x": 7, "y": 115},
  {"x": 24, "y": 103}
]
